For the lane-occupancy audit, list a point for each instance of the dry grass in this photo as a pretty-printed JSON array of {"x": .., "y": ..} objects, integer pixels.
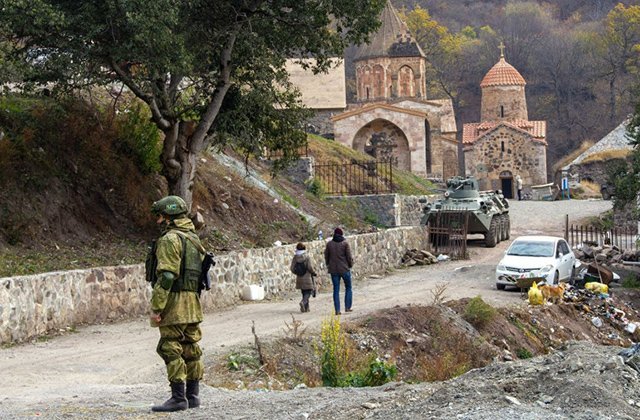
[
  {"x": 586, "y": 189},
  {"x": 438, "y": 294},
  {"x": 571, "y": 156},
  {"x": 605, "y": 155}
]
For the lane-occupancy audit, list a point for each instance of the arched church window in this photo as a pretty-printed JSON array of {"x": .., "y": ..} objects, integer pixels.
[
  {"x": 502, "y": 113},
  {"x": 405, "y": 81},
  {"x": 367, "y": 93},
  {"x": 378, "y": 81},
  {"x": 502, "y": 146}
]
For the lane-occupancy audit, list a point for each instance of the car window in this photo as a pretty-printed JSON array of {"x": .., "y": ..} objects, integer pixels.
[
  {"x": 564, "y": 248},
  {"x": 532, "y": 249}
]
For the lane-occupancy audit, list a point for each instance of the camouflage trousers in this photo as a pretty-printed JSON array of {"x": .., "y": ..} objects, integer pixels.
[{"x": 178, "y": 347}]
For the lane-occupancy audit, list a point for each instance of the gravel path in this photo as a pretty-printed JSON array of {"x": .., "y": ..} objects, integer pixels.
[{"x": 112, "y": 371}]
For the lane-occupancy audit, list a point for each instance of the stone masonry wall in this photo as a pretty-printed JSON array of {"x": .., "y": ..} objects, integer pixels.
[
  {"x": 35, "y": 305},
  {"x": 387, "y": 210},
  {"x": 521, "y": 156},
  {"x": 411, "y": 210}
]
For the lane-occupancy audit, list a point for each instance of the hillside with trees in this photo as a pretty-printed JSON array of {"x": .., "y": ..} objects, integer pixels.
[{"x": 81, "y": 159}]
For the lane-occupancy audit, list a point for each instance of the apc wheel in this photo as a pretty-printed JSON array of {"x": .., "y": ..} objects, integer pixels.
[
  {"x": 500, "y": 286},
  {"x": 490, "y": 237},
  {"x": 508, "y": 229},
  {"x": 504, "y": 225}
]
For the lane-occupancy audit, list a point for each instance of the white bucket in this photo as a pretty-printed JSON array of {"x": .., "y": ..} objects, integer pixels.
[{"x": 252, "y": 292}]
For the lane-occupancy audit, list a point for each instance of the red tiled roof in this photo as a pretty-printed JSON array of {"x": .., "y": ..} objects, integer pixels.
[
  {"x": 502, "y": 74},
  {"x": 473, "y": 131}
]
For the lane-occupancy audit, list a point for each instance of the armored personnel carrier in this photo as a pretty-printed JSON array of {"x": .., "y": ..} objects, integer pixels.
[{"x": 488, "y": 211}]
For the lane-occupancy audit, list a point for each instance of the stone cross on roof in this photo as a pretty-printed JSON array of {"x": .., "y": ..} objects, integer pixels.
[{"x": 501, "y": 46}]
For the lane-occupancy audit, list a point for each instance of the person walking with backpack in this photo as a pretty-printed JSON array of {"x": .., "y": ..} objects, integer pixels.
[
  {"x": 337, "y": 256},
  {"x": 175, "y": 302},
  {"x": 303, "y": 269}
]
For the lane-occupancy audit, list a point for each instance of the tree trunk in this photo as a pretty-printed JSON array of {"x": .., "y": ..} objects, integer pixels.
[
  {"x": 179, "y": 160},
  {"x": 612, "y": 100}
]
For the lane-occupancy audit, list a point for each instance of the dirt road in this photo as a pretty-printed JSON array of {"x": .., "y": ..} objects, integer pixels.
[{"x": 96, "y": 365}]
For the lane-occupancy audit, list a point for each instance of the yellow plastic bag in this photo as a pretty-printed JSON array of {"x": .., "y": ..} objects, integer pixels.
[
  {"x": 535, "y": 295},
  {"x": 596, "y": 287}
]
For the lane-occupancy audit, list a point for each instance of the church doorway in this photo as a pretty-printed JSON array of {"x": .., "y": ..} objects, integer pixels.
[
  {"x": 384, "y": 140},
  {"x": 506, "y": 184}
]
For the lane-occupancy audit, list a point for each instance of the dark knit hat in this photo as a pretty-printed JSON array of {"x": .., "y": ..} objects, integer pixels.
[
  {"x": 300, "y": 246},
  {"x": 338, "y": 231}
]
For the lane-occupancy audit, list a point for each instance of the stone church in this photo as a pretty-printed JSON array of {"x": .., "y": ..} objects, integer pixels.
[
  {"x": 505, "y": 143},
  {"x": 392, "y": 117}
]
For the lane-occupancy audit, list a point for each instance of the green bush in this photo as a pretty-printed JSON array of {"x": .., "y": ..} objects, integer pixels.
[
  {"x": 380, "y": 372},
  {"x": 631, "y": 282},
  {"x": 335, "y": 357},
  {"x": 315, "y": 187},
  {"x": 478, "y": 312},
  {"x": 140, "y": 138},
  {"x": 372, "y": 219},
  {"x": 523, "y": 353},
  {"x": 334, "y": 354}
]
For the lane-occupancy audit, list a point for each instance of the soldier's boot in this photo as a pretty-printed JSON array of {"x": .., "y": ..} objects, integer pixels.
[
  {"x": 193, "y": 390},
  {"x": 306, "y": 307},
  {"x": 177, "y": 402}
]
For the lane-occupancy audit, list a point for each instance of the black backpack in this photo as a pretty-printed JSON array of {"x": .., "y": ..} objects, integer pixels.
[{"x": 300, "y": 268}]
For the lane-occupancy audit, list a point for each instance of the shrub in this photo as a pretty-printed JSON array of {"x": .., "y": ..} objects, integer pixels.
[
  {"x": 315, "y": 187},
  {"x": 631, "y": 282},
  {"x": 523, "y": 353},
  {"x": 478, "y": 312},
  {"x": 237, "y": 361},
  {"x": 372, "y": 219},
  {"x": 380, "y": 372},
  {"x": 140, "y": 138},
  {"x": 334, "y": 354}
]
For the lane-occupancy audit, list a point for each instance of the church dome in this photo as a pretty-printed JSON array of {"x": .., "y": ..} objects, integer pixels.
[{"x": 502, "y": 74}]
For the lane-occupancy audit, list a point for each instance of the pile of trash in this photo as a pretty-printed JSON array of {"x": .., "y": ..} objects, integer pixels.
[
  {"x": 593, "y": 299},
  {"x": 601, "y": 307}
]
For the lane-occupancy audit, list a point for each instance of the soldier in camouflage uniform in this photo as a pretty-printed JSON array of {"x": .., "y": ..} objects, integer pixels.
[{"x": 175, "y": 303}]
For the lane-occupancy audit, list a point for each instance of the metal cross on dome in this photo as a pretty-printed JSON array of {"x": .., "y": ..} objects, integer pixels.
[{"x": 502, "y": 47}]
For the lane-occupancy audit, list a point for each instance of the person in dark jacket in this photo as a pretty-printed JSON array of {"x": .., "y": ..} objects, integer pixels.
[
  {"x": 304, "y": 280},
  {"x": 337, "y": 256}
]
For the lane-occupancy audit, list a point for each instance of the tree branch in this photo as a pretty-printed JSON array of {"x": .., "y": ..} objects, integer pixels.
[
  {"x": 159, "y": 119},
  {"x": 224, "y": 82}
]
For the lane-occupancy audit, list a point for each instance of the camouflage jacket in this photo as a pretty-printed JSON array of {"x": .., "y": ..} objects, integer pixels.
[{"x": 174, "y": 307}]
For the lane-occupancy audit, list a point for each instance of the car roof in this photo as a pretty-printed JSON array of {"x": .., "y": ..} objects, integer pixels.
[{"x": 538, "y": 238}]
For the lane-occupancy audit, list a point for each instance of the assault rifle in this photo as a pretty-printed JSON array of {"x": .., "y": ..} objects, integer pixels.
[{"x": 151, "y": 264}]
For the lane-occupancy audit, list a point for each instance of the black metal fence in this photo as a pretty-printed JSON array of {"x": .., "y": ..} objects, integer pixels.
[
  {"x": 448, "y": 233},
  {"x": 621, "y": 237},
  {"x": 356, "y": 177}
]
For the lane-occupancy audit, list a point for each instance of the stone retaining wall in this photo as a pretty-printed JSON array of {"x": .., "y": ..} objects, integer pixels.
[
  {"x": 35, "y": 305},
  {"x": 387, "y": 210}
]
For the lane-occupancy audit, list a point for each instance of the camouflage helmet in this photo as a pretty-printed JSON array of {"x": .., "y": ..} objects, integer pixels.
[{"x": 170, "y": 205}]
